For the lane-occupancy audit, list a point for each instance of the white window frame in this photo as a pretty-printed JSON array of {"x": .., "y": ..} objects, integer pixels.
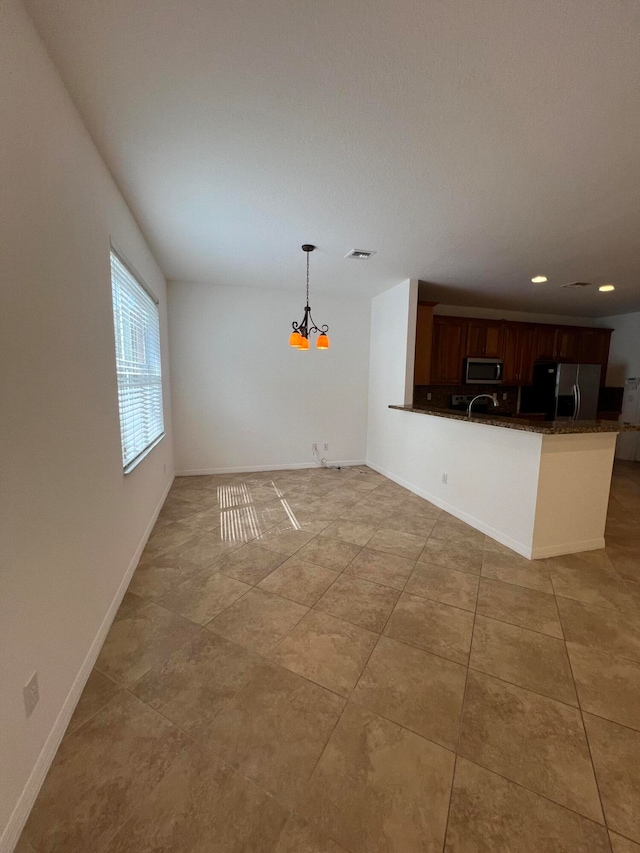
[{"x": 141, "y": 341}]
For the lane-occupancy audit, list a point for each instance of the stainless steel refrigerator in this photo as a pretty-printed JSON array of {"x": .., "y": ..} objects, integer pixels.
[{"x": 563, "y": 391}]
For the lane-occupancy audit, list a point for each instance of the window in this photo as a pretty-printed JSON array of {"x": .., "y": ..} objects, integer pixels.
[{"x": 137, "y": 332}]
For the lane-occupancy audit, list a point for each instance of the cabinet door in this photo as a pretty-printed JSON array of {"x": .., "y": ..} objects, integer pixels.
[
  {"x": 424, "y": 336},
  {"x": 567, "y": 343},
  {"x": 526, "y": 354},
  {"x": 593, "y": 348},
  {"x": 448, "y": 350},
  {"x": 510, "y": 347},
  {"x": 484, "y": 338},
  {"x": 545, "y": 343}
]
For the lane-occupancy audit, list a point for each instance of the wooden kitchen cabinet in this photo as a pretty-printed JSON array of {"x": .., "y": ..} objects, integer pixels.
[
  {"x": 484, "y": 338},
  {"x": 518, "y": 351},
  {"x": 567, "y": 342},
  {"x": 448, "y": 349},
  {"x": 593, "y": 348},
  {"x": 424, "y": 340},
  {"x": 544, "y": 348}
]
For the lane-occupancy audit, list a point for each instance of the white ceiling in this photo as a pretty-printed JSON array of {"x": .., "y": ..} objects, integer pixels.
[{"x": 471, "y": 143}]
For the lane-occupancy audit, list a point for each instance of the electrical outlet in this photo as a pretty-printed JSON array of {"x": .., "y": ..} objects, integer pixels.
[
  {"x": 445, "y": 477},
  {"x": 31, "y": 694},
  {"x": 429, "y": 395},
  {"x": 504, "y": 396},
  {"x": 325, "y": 446},
  {"x": 314, "y": 447}
]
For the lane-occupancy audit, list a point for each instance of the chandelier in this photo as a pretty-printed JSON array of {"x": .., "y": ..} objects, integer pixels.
[{"x": 300, "y": 336}]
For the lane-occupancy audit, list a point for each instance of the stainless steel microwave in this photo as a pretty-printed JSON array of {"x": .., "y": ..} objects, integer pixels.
[{"x": 482, "y": 371}]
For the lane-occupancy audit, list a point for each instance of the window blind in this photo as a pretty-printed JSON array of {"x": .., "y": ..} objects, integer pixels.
[{"x": 137, "y": 334}]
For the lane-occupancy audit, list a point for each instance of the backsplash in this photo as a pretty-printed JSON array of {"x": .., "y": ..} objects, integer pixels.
[{"x": 441, "y": 395}]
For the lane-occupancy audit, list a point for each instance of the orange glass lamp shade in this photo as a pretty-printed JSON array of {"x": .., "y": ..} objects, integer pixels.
[
  {"x": 323, "y": 342},
  {"x": 295, "y": 340},
  {"x": 304, "y": 343}
]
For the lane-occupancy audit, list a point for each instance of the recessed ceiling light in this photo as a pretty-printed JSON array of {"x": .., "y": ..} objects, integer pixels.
[
  {"x": 539, "y": 279},
  {"x": 605, "y": 288}
]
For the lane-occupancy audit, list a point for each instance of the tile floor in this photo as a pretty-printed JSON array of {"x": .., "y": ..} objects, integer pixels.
[{"x": 318, "y": 661}]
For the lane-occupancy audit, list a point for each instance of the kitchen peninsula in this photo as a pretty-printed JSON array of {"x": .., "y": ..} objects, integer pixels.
[{"x": 541, "y": 488}]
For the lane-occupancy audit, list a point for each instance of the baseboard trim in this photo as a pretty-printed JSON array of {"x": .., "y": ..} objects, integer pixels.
[
  {"x": 518, "y": 547},
  {"x": 290, "y": 466},
  {"x": 20, "y": 813},
  {"x": 569, "y": 548}
]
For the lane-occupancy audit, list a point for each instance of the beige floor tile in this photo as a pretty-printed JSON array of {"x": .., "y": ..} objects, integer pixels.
[
  {"x": 326, "y": 650},
  {"x": 414, "y": 524},
  {"x": 616, "y": 757},
  {"x": 417, "y": 506},
  {"x": 23, "y": 846},
  {"x": 453, "y": 554},
  {"x": 330, "y": 553},
  {"x": 299, "y": 581},
  {"x": 448, "y": 586},
  {"x": 418, "y": 690},
  {"x": 432, "y": 626},
  {"x": 607, "y": 686},
  {"x": 607, "y": 630},
  {"x": 512, "y": 568},
  {"x": 379, "y": 788},
  {"x": 152, "y": 580},
  {"x": 275, "y": 729},
  {"x": 284, "y": 540},
  {"x": 592, "y": 561},
  {"x": 197, "y": 681},
  {"x": 258, "y": 620},
  {"x": 386, "y": 569},
  {"x": 97, "y": 692},
  {"x": 492, "y": 815},
  {"x": 202, "y": 806},
  {"x": 129, "y": 603},
  {"x": 166, "y": 537},
  {"x": 360, "y": 602},
  {"x": 140, "y": 640},
  {"x": 623, "y": 845},
  {"x": 203, "y": 595},
  {"x": 395, "y": 542},
  {"x": 517, "y": 605},
  {"x": 250, "y": 564},
  {"x": 100, "y": 771},
  {"x": 202, "y": 550},
  {"x": 591, "y": 586},
  {"x": 529, "y": 739},
  {"x": 451, "y": 529},
  {"x": 299, "y": 837},
  {"x": 350, "y": 531},
  {"x": 523, "y": 657}
]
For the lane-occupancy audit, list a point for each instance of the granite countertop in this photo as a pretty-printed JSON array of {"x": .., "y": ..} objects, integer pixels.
[{"x": 517, "y": 422}]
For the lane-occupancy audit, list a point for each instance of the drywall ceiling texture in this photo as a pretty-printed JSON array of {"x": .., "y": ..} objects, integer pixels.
[
  {"x": 72, "y": 523},
  {"x": 243, "y": 399},
  {"x": 473, "y": 145}
]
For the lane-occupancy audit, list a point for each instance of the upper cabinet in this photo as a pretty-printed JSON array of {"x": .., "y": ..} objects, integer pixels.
[
  {"x": 442, "y": 344},
  {"x": 484, "y": 338},
  {"x": 448, "y": 349}
]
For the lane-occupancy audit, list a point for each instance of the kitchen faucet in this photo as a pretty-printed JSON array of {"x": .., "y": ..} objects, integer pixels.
[{"x": 492, "y": 397}]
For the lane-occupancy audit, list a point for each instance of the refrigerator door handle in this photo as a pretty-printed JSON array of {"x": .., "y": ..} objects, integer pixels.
[{"x": 576, "y": 397}]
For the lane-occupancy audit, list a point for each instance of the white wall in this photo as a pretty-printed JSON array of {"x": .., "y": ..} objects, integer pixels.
[
  {"x": 71, "y": 522},
  {"x": 624, "y": 354},
  {"x": 244, "y": 399}
]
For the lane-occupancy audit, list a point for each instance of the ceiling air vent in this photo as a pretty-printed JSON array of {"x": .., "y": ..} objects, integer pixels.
[
  {"x": 573, "y": 284},
  {"x": 359, "y": 254}
]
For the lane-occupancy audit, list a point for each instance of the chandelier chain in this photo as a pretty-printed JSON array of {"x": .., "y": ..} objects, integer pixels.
[{"x": 307, "y": 278}]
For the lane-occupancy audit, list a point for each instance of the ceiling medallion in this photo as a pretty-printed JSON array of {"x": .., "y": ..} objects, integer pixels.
[{"x": 299, "y": 338}]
